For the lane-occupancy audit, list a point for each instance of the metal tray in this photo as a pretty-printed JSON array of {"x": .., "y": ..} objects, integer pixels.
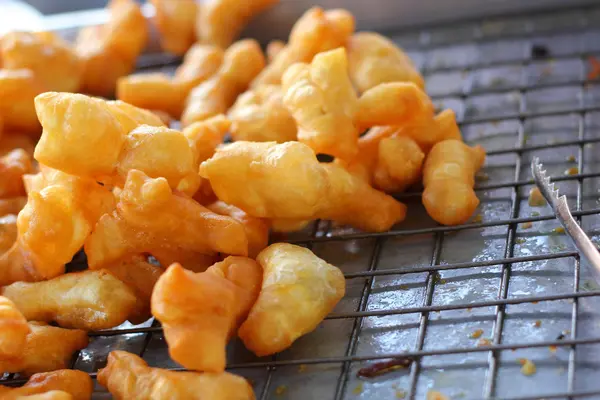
[{"x": 422, "y": 290}]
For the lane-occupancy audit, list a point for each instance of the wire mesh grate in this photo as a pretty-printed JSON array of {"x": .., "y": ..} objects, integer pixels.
[{"x": 420, "y": 290}]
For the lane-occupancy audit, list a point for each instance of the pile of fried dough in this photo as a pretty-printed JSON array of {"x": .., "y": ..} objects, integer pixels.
[{"x": 175, "y": 224}]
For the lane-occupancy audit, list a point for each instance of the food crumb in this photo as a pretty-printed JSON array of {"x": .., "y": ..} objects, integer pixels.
[
  {"x": 528, "y": 367},
  {"x": 594, "y": 72},
  {"x": 478, "y": 218},
  {"x": 482, "y": 177},
  {"x": 469, "y": 309},
  {"x": 526, "y": 225},
  {"x": 437, "y": 279},
  {"x": 572, "y": 171},
  {"x": 535, "y": 214},
  {"x": 537, "y": 323},
  {"x": 546, "y": 71},
  {"x": 281, "y": 389},
  {"x": 535, "y": 198},
  {"x": 435, "y": 395},
  {"x": 558, "y": 230},
  {"x": 302, "y": 367},
  {"x": 519, "y": 240},
  {"x": 571, "y": 158},
  {"x": 400, "y": 394},
  {"x": 484, "y": 342},
  {"x": 552, "y": 349},
  {"x": 477, "y": 334},
  {"x": 358, "y": 389},
  {"x": 404, "y": 287}
]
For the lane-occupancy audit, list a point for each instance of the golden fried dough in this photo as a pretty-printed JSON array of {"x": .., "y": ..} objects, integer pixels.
[
  {"x": 175, "y": 21},
  {"x": 257, "y": 230},
  {"x": 47, "y": 348},
  {"x": 8, "y": 232},
  {"x": 89, "y": 300},
  {"x": 127, "y": 376},
  {"x": 273, "y": 48},
  {"x": 109, "y": 51},
  {"x": 12, "y": 205},
  {"x": 323, "y": 103},
  {"x": 149, "y": 216},
  {"x": 130, "y": 116},
  {"x": 288, "y": 225},
  {"x": 242, "y": 61},
  {"x": 448, "y": 178},
  {"x": 51, "y": 395},
  {"x": 13, "y": 330},
  {"x": 49, "y": 57},
  {"x": 315, "y": 32},
  {"x": 259, "y": 115},
  {"x": 375, "y": 59},
  {"x": 204, "y": 137},
  {"x": 294, "y": 279},
  {"x": 12, "y": 168},
  {"x": 399, "y": 164},
  {"x": 248, "y": 175},
  {"x": 220, "y": 22},
  {"x": 141, "y": 276},
  {"x": 18, "y": 88},
  {"x": 200, "y": 311},
  {"x": 76, "y": 383}
]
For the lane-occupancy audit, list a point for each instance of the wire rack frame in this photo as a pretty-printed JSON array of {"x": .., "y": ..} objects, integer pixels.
[{"x": 321, "y": 233}]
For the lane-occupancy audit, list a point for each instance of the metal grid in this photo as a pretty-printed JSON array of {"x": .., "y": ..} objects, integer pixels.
[{"x": 334, "y": 359}]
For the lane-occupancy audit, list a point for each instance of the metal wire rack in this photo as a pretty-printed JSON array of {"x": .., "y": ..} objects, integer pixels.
[{"x": 420, "y": 290}]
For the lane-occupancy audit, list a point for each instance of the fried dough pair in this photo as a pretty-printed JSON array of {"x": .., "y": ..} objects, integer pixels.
[
  {"x": 12, "y": 168},
  {"x": 110, "y": 51},
  {"x": 175, "y": 21},
  {"x": 220, "y": 22},
  {"x": 127, "y": 376},
  {"x": 77, "y": 384},
  {"x": 13, "y": 330},
  {"x": 199, "y": 312},
  {"x": 259, "y": 115},
  {"x": 47, "y": 348},
  {"x": 53, "y": 225},
  {"x": 375, "y": 59},
  {"x": 448, "y": 178},
  {"x": 242, "y": 61},
  {"x": 18, "y": 88},
  {"x": 323, "y": 102},
  {"x": 248, "y": 175},
  {"x": 50, "y": 58},
  {"x": 149, "y": 216},
  {"x": 314, "y": 32},
  {"x": 293, "y": 279},
  {"x": 158, "y": 91},
  {"x": 90, "y": 300}
]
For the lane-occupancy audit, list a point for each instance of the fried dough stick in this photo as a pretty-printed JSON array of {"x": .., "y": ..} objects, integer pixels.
[
  {"x": 149, "y": 216},
  {"x": 323, "y": 103},
  {"x": 49, "y": 58},
  {"x": 47, "y": 348},
  {"x": 90, "y": 300},
  {"x": 375, "y": 59},
  {"x": 76, "y": 383},
  {"x": 12, "y": 168},
  {"x": 399, "y": 164},
  {"x": 127, "y": 376},
  {"x": 13, "y": 330},
  {"x": 53, "y": 225},
  {"x": 243, "y": 60},
  {"x": 200, "y": 312},
  {"x": 158, "y": 91},
  {"x": 448, "y": 178},
  {"x": 176, "y": 22},
  {"x": 18, "y": 88},
  {"x": 294, "y": 279},
  {"x": 110, "y": 51},
  {"x": 248, "y": 175},
  {"x": 315, "y": 31}
]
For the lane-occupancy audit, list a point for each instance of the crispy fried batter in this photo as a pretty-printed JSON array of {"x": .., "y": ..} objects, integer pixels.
[
  {"x": 130, "y": 116},
  {"x": 220, "y": 22},
  {"x": 127, "y": 376},
  {"x": 315, "y": 32},
  {"x": 176, "y": 22},
  {"x": 76, "y": 383},
  {"x": 294, "y": 279},
  {"x": 375, "y": 59},
  {"x": 149, "y": 216},
  {"x": 399, "y": 164},
  {"x": 141, "y": 276},
  {"x": 49, "y": 57},
  {"x": 12, "y": 168},
  {"x": 109, "y": 51},
  {"x": 248, "y": 175},
  {"x": 90, "y": 300},
  {"x": 51, "y": 395},
  {"x": 18, "y": 88},
  {"x": 323, "y": 103},
  {"x": 242, "y": 61},
  {"x": 13, "y": 330},
  {"x": 199, "y": 312},
  {"x": 259, "y": 115},
  {"x": 448, "y": 178},
  {"x": 257, "y": 230},
  {"x": 47, "y": 348}
]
